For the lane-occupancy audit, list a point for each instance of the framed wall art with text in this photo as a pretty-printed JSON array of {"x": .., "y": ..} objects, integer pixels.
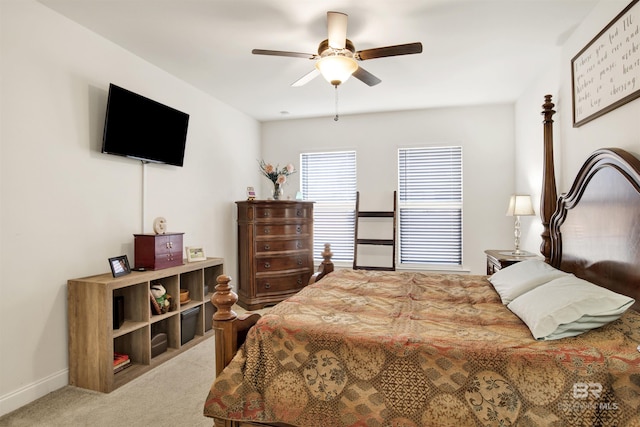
[{"x": 605, "y": 74}]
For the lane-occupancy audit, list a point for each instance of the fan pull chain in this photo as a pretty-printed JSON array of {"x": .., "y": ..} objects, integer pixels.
[{"x": 335, "y": 119}]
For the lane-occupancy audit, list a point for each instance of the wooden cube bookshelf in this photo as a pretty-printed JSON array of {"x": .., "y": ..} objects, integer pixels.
[{"x": 93, "y": 340}]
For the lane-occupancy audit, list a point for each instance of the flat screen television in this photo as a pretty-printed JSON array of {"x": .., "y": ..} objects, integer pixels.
[{"x": 143, "y": 129}]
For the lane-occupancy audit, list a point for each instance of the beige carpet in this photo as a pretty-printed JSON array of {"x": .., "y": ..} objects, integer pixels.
[{"x": 172, "y": 394}]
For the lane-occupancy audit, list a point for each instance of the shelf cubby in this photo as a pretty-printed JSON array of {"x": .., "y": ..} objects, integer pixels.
[{"x": 193, "y": 281}]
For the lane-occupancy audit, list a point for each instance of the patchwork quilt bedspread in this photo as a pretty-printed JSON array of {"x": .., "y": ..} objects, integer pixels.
[{"x": 368, "y": 348}]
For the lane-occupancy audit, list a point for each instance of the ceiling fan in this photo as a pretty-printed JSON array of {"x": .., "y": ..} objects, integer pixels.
[{"x": 337, "y": 57}]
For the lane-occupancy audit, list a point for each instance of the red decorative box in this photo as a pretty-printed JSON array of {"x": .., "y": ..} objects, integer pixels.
[{"x": 158, "y": 251}]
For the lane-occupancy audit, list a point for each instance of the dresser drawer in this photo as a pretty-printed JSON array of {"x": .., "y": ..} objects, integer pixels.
[
  {"x": 281, "y": 245},
  {"x": 280, "y": 263},
  {"x": 281, "y": 229},
  {"x": 167, "y": 260},
  {"x": 274, "y": 285},
  {"x": 289, "y": 212}
]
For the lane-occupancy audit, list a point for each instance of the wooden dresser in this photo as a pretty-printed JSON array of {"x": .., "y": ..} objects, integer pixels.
[{"x": 275, "y": 250}]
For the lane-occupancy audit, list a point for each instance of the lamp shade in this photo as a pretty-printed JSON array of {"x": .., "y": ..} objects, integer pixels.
[
  {"x": 520, "y": 205},
  {"x": 336, "y": 69}
]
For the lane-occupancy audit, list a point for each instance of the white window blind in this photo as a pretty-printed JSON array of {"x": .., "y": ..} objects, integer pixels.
[
  {"x": 329, "y": 179},
  {"x": 430, "y": 205}
]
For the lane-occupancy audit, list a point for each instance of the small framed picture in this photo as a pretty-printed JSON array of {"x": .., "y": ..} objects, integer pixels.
[
  {"x": 119, "y": 266},
  {"x": 251, "y": 193},
  {"x": 195, "y": 254}
]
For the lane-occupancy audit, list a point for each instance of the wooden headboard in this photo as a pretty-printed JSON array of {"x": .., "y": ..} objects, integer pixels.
[{"x": 593, "y": 230}]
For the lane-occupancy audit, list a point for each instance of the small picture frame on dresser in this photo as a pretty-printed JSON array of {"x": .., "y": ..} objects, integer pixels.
[
  {"x": 119, "y": 266},
  {"x": 195, "y": 253},
  {"x": 251, "y": 193}
]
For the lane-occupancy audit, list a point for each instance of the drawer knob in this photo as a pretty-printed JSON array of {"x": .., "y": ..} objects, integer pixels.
[
  {"x": 299, "y": 245},
  {"x": 267, "y": 230},
  {"x": 267, "y": 247},
  {"x": 267, "y": 265},
  {"x": 266, "y": 213},
  {"x": 298, "y": 212},
  {"x": 298, "y": 229},
  {"x": 299, "y": 281},
  {"x": 299, "y": 261},
  {"x": 267, "y": 285}
]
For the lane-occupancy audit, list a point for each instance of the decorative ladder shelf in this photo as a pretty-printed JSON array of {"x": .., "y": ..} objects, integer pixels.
[{"x": 375, "y": 242}]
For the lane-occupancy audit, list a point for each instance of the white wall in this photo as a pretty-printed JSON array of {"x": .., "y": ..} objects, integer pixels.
[
  {"x": 66, "y": 207},
  {"x": 486, "y": 134},
  {"x": 618, "y": 128}
]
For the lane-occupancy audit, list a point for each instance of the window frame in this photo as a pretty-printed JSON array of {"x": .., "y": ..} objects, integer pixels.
[
  {"x": 458, "y": 205},
  {"x": 342, "y": 248}
]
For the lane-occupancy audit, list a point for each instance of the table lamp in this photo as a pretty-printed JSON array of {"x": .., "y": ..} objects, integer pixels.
[{"x": 519, "y": 205}]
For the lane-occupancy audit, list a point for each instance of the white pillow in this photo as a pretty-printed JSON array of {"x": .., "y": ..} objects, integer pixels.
[
  {"x": 567, "y": 307},
  {"x": 516, "y": 279}
]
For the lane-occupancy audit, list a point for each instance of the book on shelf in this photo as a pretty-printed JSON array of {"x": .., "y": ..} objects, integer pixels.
[
  {"x": 155, "y": 307},
  {"x": 124, "y": 362},
  {"x": 122, "y": 366},
  {"x": 120, "y": 359}
]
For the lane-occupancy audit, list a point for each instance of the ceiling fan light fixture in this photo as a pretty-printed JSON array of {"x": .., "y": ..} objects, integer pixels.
[{"x": 336, "y": 69}]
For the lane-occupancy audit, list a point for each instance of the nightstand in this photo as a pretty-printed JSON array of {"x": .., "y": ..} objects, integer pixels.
[{"x": 498, "y": 259}]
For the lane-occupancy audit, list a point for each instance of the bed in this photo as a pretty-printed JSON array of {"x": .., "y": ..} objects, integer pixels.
[{"x": 374, "y": 348}]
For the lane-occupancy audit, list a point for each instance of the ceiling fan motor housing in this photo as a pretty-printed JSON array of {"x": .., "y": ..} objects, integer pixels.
[{"x": 325, "y": 50}]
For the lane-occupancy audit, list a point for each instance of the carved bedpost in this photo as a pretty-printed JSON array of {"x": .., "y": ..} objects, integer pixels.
[
  {"x": 224, "y": 298},
  {"x": 325, "y": 267},
  {"x": 230, "y": 329},
  {"x": 549, "y": 196}
]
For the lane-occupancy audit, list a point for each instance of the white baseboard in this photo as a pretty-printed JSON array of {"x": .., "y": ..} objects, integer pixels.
[{"x": 27, "y": 394}]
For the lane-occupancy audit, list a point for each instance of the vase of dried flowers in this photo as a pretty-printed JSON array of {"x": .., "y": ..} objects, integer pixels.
[{"x": 277, "y": 176}]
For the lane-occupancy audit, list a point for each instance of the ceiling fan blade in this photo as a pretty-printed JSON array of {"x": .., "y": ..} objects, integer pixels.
[
  {"x": 366, "y": 77},
  {"x": 337, "y": 29},
  {"x": 306, "y": 78},
  {"x": 283, "y": 53},
  {"x": 380, "y": 52}
]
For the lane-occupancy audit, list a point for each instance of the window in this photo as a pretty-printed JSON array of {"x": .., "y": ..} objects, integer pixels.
[
  {"x": 430, "y": 205},
  {"x": 329, "y": 179}
]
